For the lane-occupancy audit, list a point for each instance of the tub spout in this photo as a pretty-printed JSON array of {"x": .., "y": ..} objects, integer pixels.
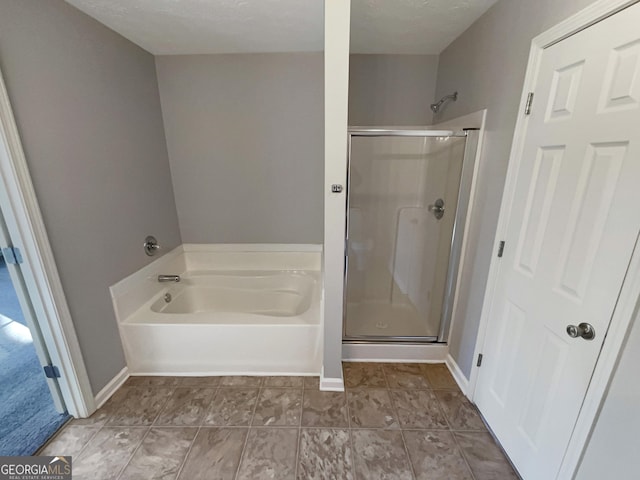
[{"x": 169, "y": 278}]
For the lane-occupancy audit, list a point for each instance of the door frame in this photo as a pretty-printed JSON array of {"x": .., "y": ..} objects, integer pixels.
[
  {"x": 22, "y": 295},
  {"x": 629, "y": 294},
  {"x": 26, "y": 228},
  {"x": 472, "y": 138}
]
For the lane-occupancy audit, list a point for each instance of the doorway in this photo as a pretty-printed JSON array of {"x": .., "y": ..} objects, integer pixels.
[
  {"x": 31, "y": 409},
  {"x": 569, "y": 229}
]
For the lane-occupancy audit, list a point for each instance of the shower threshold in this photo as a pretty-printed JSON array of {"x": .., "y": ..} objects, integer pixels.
[
  {"x": 406, "y": 350},
  {"x": 392, "y": 340}
]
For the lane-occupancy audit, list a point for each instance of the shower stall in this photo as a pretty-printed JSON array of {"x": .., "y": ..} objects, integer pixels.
[{"x": 407, "y": 199}]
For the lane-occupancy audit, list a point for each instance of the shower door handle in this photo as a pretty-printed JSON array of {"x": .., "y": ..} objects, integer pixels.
[{"x": 437, "y": 208}]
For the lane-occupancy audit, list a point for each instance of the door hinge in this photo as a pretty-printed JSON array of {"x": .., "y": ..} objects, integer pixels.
[
  {"x": 51, "y": 371},
  {"x": 12, "y": 255},
  {"x": 501, "y": 248},
  {"x": 346, "y": 247},
  {"x": 527, "y": 106},
  {"x": 479, "y": 360}
]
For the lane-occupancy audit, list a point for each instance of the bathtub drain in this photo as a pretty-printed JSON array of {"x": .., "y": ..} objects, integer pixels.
[{"x": 167, "y": 297}]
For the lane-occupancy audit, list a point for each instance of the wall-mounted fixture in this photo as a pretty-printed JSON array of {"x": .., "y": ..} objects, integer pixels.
[
  {"x": 169, "y": 278},
  {"x": 437, "y": 209},
  {"x": 151, "y": 246},
  {"x": 435, "y": 107}
]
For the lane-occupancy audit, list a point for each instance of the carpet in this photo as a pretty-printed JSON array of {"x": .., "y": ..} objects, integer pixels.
[{"x": 27, "y": 413}]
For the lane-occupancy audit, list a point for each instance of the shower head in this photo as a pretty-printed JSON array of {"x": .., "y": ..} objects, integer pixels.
[{"x": 435, "y": 107}]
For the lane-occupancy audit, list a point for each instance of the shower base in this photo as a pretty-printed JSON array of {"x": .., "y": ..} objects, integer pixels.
[{"x": 387, "y": 320}]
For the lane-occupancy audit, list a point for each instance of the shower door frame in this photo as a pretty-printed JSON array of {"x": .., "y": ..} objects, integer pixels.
[{"x": 471, "y": 136}]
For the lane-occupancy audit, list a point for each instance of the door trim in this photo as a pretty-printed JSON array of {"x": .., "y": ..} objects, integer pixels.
[
  {"x": 26, "y": 228},
  {"x": 628, "y": 298},
  {"x": 20, "y": 290}
]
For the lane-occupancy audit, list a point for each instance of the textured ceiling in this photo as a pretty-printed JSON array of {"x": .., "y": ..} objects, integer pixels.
[
  {"x": 170, "y": 27},
  {"x": 173, "y": 27},
  {"x": 411, "y": 26}
]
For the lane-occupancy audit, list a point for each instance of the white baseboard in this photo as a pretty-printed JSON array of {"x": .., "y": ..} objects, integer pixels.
[
  {"x": 331, "y": 384},
  {"x": 370, "y": 352},
  {"x": 111, "y": 387},
  {"x": 458, "y": 376}
]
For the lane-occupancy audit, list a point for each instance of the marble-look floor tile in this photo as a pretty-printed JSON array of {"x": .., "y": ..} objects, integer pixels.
[
  {"x": 98, "y": 418},
  {"x": 161, "y": 454},
  {"x": 70, "y": 440},
  {"x": 215, "y": 454},
  {"x": 405, "y": 375},
  {"x": 418, "y": 409},
  {"x": 325, "y": 455},
  {"x": 232, "y": 406},
  {"x": 270, "y": 453},
  {"x": 107, "y": 453},
  {"x": 324, "y": 409},
  {"x": 370, "y": 407},
  {"x": 312, "y": 383},
  {"x": 439, "y": 376},
  {"x": 380, "y": 454},
  {"x": 284, "y": 382},
  {"x": 152, "y": 381},
  {"x": 485, "y": 458},
  {"x": 136, "y": 405},
  {"x": 200, "y": 381},
  {"x": 435, "y": 456},
  {"x": 241, "y": 381},
  {"x": 187, "y": 406},
  {"x": 358, "y": 374},
  {"x": 278, "y": 406},
  {"x": 460, "y": 413}
]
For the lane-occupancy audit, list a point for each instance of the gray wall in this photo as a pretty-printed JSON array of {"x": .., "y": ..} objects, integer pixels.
[
  {"x": 245, "y": 139},
  {"x": 486, "y": 65},
  {"x": 391, "y": 89},
  {"x": 612, "y": 451},
  {"x": 87, "y": 106}
]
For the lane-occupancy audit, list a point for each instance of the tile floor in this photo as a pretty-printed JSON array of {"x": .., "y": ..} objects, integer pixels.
[{"x": 395, "y": 421}]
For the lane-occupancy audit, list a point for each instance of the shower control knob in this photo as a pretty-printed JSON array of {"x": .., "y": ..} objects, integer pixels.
[
  {"x": 437, "y": 209},
  {"x": 151, "y": 245}
]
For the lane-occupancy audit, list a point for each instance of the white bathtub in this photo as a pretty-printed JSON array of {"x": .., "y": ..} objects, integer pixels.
[
  {"x": 258, "y": 313},
  {"x": 238, "y": 297}
]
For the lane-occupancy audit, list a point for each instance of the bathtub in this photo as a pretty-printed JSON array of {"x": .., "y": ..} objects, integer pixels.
[{"x": 233, "y": 312}]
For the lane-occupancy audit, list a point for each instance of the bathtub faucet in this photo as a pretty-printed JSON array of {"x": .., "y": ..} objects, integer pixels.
[{"x": 169, "y": 278}]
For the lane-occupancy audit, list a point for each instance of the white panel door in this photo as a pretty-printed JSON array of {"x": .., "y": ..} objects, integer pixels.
[{"x": 574, "y": 221}]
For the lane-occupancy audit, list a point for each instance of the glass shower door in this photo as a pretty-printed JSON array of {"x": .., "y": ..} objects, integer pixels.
[{"x": 402, "y": 201}]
